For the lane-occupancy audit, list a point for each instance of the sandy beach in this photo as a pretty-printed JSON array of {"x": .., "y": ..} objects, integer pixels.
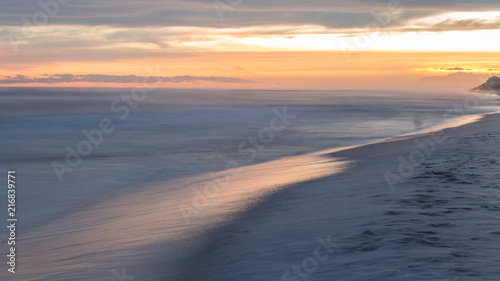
[{"x": 440, "y": 223}]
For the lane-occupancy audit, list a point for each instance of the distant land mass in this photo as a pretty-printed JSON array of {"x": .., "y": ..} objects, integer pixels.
[
  {"x": 493, "y": 84},
  {"x": 455, "y": 82}
]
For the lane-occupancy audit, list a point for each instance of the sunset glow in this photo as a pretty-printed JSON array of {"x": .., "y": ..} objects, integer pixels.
[
  {"x": 329, "y": 50},
  {"x": 209, "y": 140}
]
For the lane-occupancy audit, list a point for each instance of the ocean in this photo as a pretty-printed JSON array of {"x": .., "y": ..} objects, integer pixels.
[{"x": 80, "y": 152}]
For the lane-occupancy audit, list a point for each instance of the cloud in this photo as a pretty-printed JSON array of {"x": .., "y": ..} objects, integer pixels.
[
  {"x": 202, "y": 13},
  {"x": 457, "y": 21},
  {"x": 465, "y": 70},
  {"x": 471, "y": 24},
  {"x": 451, "y": 68},
  {"x": 113, "y": 30},
  {"x": 104, "y": 78}
]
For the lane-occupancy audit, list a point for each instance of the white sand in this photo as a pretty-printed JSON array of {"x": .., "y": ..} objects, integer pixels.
[{"x": 441, "y": 223}]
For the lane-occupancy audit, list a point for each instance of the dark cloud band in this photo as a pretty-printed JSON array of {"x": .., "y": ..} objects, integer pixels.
[
  {"x": 103, "y": 78},
  {"x": 206, "y": 13}
]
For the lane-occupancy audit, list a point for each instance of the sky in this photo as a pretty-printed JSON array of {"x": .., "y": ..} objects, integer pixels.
[{"x": 251, "y": 44}]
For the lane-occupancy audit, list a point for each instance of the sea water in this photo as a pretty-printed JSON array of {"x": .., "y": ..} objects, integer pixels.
[{"x": 74, "y": 148}]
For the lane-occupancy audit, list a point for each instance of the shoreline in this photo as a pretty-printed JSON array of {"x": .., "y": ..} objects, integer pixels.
[
  {"x": 401, "y": 141},
  {"x": 159, "y": 214},
  {"x": 288, "y": 210}
]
